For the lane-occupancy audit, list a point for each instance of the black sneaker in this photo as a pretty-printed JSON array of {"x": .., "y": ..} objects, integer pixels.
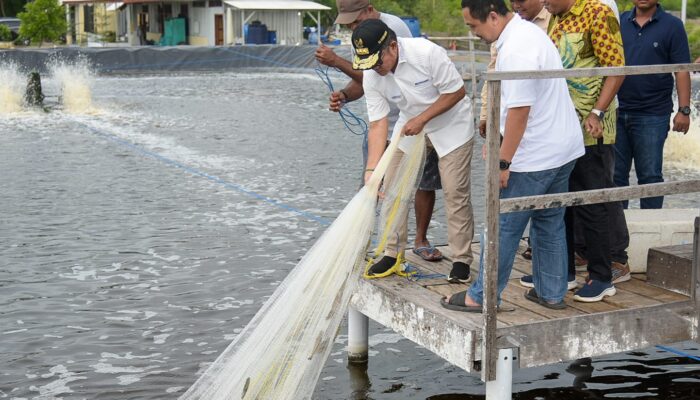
[
  {"x": 381, "y": 266},
  {"x": 460, "y": 273}
]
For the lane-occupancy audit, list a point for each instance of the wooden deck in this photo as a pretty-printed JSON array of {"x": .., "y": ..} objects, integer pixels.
[{"x": 638, "y": 316}]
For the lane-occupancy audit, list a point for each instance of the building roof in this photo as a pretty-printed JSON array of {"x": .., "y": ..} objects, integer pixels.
[{"x": 276, "y": 5}]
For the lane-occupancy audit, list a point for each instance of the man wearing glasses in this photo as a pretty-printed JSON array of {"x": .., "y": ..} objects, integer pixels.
[{"x": 418, "y": 77}]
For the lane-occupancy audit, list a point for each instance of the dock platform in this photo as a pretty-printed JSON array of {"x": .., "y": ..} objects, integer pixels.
[{"x": 640, "y": 315}]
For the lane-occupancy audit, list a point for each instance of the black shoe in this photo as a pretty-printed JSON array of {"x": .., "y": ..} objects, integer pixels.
[
  {"x": 460, "y": 273},
  {"x": 381, "y": 266}
]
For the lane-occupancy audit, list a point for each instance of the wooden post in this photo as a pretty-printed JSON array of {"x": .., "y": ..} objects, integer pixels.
[
  {"x": 695, "y": 287},
  {"x": 489, "y": 352},
  {"x": 472, "y": 61}
]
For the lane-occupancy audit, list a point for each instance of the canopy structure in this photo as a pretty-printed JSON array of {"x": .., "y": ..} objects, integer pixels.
[
  {"x": 295, "y": 5},
  {"x": 250, "y": 8}
]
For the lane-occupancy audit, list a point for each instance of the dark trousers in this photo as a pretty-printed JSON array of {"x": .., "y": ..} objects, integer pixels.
[{"x": 603, "y": 226}]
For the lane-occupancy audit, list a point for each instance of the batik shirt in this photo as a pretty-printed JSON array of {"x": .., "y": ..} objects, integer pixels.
[{"x": 587, "y": 36}]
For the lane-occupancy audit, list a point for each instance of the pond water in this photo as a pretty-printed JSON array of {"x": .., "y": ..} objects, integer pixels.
[{"x": 145, "y": 219}]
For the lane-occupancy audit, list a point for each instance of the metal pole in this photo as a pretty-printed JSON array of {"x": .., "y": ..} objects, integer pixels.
[
  {"x": 358, "y": 336},
  {"x": 684, "y": 8},
  {"x": 502, "y": 387},
  {"x": 242, "y": 26}
]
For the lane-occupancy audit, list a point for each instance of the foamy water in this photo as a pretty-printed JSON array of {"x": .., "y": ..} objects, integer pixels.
[
  {"x": 11, "y": 89},
  {"x": 683, "y": 151},
  {"x": 75, "y": 80}
]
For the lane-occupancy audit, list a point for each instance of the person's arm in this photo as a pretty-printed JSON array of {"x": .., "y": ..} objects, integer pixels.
[
  {"x": 376, "y": 144},
  {"x": 485, "y": 92},
  {"x": 610, "y": 54},
  {"x": 445, "y": 102},
  {"x": 326, "y": 56},
  {"x": 611, "y": 85},
  {"x": 681, "y": 122},
  {"x": 351, "y": 92},
  {"x": 516, "y": 122},
  {"x": 680, "y": 54}
]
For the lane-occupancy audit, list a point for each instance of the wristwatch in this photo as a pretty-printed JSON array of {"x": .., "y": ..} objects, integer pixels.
[
  {"x": 599, "y": 113},
  {"x": 684, "y": 110},
  {"x": 503, "y": 165}
]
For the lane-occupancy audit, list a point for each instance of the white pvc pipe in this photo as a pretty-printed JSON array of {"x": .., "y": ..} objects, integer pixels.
[
  {"x": 684, "y": 8},
  {"x": 502, "y": 387},
  {"x": 358, "y": 334}
]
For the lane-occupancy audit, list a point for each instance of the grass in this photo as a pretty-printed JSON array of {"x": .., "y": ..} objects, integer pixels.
[{"x": 692, "y": 27}]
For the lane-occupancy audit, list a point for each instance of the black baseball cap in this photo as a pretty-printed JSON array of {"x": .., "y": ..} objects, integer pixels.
[{"x": 368, "y": 40}]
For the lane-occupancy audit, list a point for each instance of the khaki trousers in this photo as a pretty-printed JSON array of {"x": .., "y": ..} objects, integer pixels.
[{"x": 455, "y": 174}]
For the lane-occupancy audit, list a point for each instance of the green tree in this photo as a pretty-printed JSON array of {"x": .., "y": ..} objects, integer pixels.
[
  {"x": 5, "y": 34},
  {"x": 42, "y": 20}
]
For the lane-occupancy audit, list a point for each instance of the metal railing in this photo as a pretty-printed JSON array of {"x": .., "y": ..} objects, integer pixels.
[{"x": 495, "y": 206}]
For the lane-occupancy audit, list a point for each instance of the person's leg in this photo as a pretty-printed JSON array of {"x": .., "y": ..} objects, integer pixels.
[
  {"x": 396, "y": 241},
  {"x": 425, "y": 203},
  {"x": 365, "y": 151},
  {"x": 455, "y": 174},
  {"x": 510, "y": 229},
  {"x": 623, "y": 152},
  {"x": 619, "y": 234},
  {"x": 548, "y": 233},
  {"x": 650, "y": 133},
  {"x": 594, "y": 217}
]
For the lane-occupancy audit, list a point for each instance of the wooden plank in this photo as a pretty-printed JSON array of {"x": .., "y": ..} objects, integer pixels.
[
  {"x": 670, "y": 267},
  {"x": 593, "y": 335},
  {"x": 629, "y": 300},
  {"x": 416, "y": 314},
  {"x": 515, "y": 294},
  {"x": 645, "y": 289},
  {"x": 590, "y": 72},
  {"x": 598, "y": 195},
  {"x": 489, "y": 338},
  {"x": 695, "y": 289}
]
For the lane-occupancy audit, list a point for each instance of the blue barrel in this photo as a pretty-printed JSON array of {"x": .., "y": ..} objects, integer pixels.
[
  {"x": 313, "y": 37},
  {"x": 272, "y": 37},
  {"x": 413, "y": 25},
  {"x": 257, "y": 33}
]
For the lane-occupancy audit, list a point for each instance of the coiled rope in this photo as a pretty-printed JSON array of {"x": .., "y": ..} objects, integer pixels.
[{"x": 353, "y": 123}]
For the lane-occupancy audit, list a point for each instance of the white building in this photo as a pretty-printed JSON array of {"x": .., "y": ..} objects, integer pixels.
[{"x": 208, "y": 22}]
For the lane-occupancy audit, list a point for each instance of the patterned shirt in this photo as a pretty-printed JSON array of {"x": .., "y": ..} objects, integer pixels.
[{"x": 587, "y": 36}]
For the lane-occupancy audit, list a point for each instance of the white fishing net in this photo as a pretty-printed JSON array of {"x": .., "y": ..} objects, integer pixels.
[{"x": 280, "y": 353}]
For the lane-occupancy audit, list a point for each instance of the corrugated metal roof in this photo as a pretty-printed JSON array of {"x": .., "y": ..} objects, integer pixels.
[{"x": 276, "y": 5}]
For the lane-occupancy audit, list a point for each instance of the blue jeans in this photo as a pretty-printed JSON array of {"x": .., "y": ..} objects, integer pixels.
[
  {"x": 547, "y": 235},
  {"x": 641, "y": 138}
]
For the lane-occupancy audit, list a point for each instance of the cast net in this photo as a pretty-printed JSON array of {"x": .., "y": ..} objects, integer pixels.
[{"x": 280, "y": 353}]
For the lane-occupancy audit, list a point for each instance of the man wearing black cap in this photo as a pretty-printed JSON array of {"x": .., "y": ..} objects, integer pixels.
[
  {"x": 351, "y": 13},
  {"x": 417, "y": 76}
]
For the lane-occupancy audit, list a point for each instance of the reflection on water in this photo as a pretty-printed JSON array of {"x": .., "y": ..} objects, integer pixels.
[{"x": 123, "y": 275}]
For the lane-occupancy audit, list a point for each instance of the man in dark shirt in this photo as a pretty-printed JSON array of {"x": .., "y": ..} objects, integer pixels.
[{"x": 650, "y": 36}]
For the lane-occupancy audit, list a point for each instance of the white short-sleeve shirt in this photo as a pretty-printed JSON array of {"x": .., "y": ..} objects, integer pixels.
[
  {"x": 399, "y": 27},
  {"x": 553, "y": 134},
  {"x": 423, "y": 73}
]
